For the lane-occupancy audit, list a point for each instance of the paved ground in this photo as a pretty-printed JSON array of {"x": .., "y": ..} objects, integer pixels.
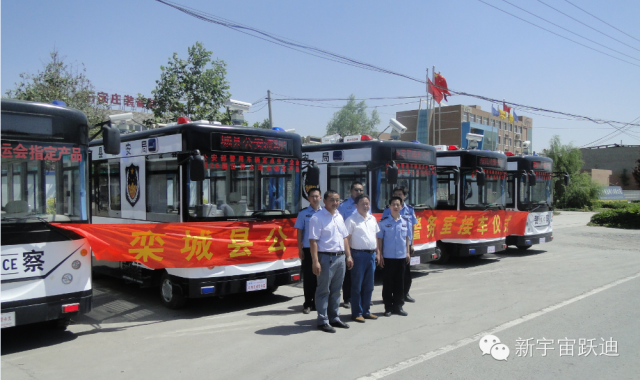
[{"x": 583, "y": 285}]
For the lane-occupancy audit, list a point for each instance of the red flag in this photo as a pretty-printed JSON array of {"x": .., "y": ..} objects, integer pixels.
[
  {"x": 442, "y": 85},
  {"x": 435, "y": 92},
  {"x": 506, "y": 108}
]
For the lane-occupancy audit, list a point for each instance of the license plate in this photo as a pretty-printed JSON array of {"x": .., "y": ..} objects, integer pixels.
[
  {"x": 415, "y": 260},
  {"x": 491, "y": 249},
  {"x": 543, "y": 240},
  {"x": 253, "y": 285},
  {"x": 8, "y": 319}
]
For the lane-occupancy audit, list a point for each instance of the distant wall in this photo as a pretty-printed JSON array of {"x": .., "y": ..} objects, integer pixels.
[{"x": 614, "y": 158}]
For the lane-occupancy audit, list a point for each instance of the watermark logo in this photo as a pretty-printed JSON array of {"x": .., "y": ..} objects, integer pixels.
[{"x": 490, "y": 344}]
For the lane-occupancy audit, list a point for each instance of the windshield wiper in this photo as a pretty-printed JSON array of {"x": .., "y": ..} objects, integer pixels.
[
  {"x": 265, "y": 212},
  {"x": 44, "y": 221},
  {"x": 427, "y": 207},
  {"x": 487, "y": 207}
]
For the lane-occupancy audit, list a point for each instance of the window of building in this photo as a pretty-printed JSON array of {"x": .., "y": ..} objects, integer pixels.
[
  {"x": 499, "y": 125},
  {"x": 473, "y": 118},
  {"x": 498, "y": 139},
  {"x": 493, "y": 123},
  {"x": 465, "y": 116}
]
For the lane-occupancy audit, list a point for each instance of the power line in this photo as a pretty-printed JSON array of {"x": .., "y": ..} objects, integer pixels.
[
  {"x": 619, "y": 130},
  {"x": 281, "y": 41},
  {"x": 590, "y": 27},
  {"x": 602, "y": 21},
  {"x": 567, "y": 30},
  {"x": 559, "y": 35}
]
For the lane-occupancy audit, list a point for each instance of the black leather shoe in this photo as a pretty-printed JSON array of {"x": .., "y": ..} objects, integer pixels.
[
  {"x": 387, "y": 313},
  {"x": 339, "y": 324},
  {"x": 326, "y": 328},
  {"x": 401, "y": 312},
  {"x": 408, "y": 298}
]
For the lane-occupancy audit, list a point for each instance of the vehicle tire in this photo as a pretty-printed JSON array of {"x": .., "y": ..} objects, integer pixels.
[
  {"x": 60, "y": 324},
  {"x": 171, "y": 298},
  {"x": 445, "y": 255},
  {"x": 524, "y": 247}
]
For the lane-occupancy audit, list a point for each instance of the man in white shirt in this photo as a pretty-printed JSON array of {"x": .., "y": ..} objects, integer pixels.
[
  {"x": 362, "y": 228},
  {"x": 330, "y": 254}
]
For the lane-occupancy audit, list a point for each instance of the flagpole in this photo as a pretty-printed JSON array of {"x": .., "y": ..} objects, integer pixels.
[
  {"x": 433, "y": 76},
  {"x": 439, "y": 120}
]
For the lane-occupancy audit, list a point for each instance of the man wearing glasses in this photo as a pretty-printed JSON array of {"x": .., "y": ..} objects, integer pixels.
[{"x": 347, "y": 208}]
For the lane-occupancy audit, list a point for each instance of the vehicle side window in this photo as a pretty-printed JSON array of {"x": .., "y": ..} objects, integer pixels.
[
  {"x": 510, "y": 191},
  {"x": 163, "y": 189},
  {"x": 446, "y": 191},
  {"x": 106, "y": 190}
]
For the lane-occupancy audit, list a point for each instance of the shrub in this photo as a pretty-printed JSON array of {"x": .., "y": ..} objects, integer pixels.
[
  {"x": 611, "y": 204},
  {"x": 628, "y": 217}
]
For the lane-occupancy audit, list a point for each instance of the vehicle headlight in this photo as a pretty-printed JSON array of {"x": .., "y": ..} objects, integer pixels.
[
  {"x": 76, "y": 264},
  {"x": 67, "y": 278}
]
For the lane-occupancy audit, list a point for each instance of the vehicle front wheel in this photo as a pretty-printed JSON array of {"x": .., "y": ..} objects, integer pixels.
[
  {"x": 524, "y": 247},
  {"x": 171, "y": 293},
  {"x": 445, "y": 255}
]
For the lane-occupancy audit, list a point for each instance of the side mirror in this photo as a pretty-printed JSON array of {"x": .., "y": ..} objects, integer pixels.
[
  {"x": 532, "y": 178},
  {"x": 196, "y": 167},
  {"x": 111, "y": 139},
  {"x": 313, "y": 175},
  {"x": 567, "y": 179},
  {"x": 392, "y": 174},
  {"x": 480, "y": 177}
]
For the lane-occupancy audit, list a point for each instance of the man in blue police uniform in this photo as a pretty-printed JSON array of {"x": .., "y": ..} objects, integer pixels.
[
  {"x": 408, "y": 212},
  {"x": 309, "y": 280},
  {"x": 346, "y": 209},
  {"x": 394, "y": 240},
  {"x": 330, "y": 254}
]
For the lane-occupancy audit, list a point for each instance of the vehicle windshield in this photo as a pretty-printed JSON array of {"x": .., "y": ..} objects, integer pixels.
[
  {"x": 238, "y": 186},
  {"x": 475, "y": 197},
  {"x": 43, "y": 181},
  {"x": 539, "y": 194},
  {"x": 420, "y": 184}
]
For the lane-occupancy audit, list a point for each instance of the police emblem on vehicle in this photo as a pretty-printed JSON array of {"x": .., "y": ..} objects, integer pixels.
[{"x": 133, "y": 184}]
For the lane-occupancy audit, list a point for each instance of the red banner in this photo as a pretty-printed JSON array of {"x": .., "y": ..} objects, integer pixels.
[
  {"x": 210, "y": 244},
  {"x": 191, "y": 245}
]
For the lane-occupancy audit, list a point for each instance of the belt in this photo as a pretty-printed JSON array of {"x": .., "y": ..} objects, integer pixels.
[
  {"x": 364, "y": 250},
  {"x": 332, "y": 253}
]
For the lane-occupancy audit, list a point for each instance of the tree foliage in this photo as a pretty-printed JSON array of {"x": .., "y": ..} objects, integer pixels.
[
  {"x": 266, "y": 124},
  {"x": 352, "y": 119},
  {"x": 582, "y": 190},
  {"x": 61, "y": 81},
  {"x": 195, "y": 87}
]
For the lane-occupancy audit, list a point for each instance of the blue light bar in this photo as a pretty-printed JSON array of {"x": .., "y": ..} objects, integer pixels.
[
  {"x": 59, "y": 103},
  {"x": 278, "y": 129},
  {"x": 207, "y": 289}
]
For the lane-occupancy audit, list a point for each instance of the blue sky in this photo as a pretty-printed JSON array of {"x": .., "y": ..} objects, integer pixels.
[{"x": 479, "y": 49}]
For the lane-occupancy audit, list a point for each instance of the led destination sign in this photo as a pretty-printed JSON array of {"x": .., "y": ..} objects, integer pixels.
[
  {"x": 253, "y": 144},
  {"x": 414, "y": 155},
  {"x": 491, "y": 162},
  {"x": 537, "y": 165}
]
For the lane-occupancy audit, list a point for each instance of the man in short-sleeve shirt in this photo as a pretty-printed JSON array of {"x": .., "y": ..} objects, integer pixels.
[
  {"x": 330, "y": 254},
  {"x": 362, "y": 228},
  {"x": 394, "y": 239},
  {"x": 408, "y": 212},
  {"x": 309, "y": 280},
  {"x": 346, "y": 209}
]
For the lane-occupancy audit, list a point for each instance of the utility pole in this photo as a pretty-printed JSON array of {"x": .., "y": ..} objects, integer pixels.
[{"x": 269, "y": 101}]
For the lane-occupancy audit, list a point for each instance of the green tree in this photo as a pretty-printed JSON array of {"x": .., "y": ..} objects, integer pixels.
[
  {"x": 195, "y": 87},
  {"x": 266, "y": 124},
  {"x": 61, "y": 81},
  {"x": 352, "y": 119},
  {"x": 582, "y": 190}
]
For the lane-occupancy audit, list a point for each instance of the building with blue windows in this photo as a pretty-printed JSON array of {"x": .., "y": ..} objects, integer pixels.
[{"x": 449, "y": 125}]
